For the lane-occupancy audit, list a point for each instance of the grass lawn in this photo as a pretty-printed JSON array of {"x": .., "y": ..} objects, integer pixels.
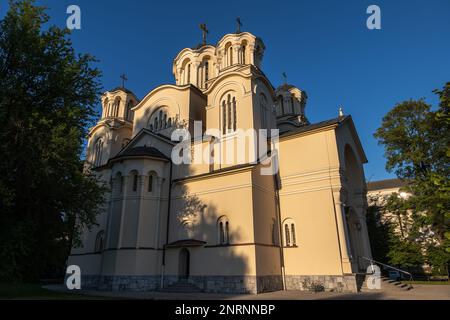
[{"x": 34, "y": 291}]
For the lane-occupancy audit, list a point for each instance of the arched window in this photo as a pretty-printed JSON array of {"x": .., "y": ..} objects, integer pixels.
[
  {"x": 294, "y": 242},
  {"x": 206, "y": 74},
  {"x": 228, "y": 55},
  {"x": 151, "y": 181},
  {"x": 160, "y": 119},
  {"x": 243, "y": 54},
  {"x": 98, "y": 150},
  {"x": 287, "y": 236},
  {"x": 127, "y": 111},
  {"x": 116, "y": 108},
  {"x": 231, "y": 55},
  {"x": 292, "y": 104},
  {"x": 280, "y": 98},
  {"x": 229, "y": 114},
  {"x": 223, "y": 228},
  {"x": 105, "y": 108},
  {"x": 188, "y": 74},
  {"x": 224, "y": 117},
  {"x": 263, "y": 110},
  {"x": 135, "y": 182},
  {"x": 99, "y": 241},
  {"x": 290, "y": 239},
  {"x": 234, "y": 114}
]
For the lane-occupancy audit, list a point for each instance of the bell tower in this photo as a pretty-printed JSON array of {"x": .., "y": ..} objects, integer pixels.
[
  {"x": 114, "y": 129},
  {"x": 290, "y": 103}
]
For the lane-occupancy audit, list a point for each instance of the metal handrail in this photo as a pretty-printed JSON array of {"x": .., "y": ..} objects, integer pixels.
[{"x": 390, "y": 267}]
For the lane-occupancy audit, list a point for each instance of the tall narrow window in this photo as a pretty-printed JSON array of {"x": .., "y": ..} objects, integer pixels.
[
  {"x": 222, "y": 232},
  {"x": 292, "y": 105},
  {"x": 206, "y": 73},
  {"x": 231, "y": 56},
  {"x": 287, "y": 235},
  {"x": 99, "y": 241},
  {"x": 116, "y": 114},
  {"x": 135, "y": 182},
  {"x": 127, "y": 111},
  {"x": 227, "y": 240},
  {"x": 282, "y": 104},
  {"x": 290, "y": 239},
  {"x": 156, "y": 123},
  {"x": 224, "y": 117},
  {"x": 188, "y": 77},
  {"x": 229, "y": 112},
  {"x": 234, "y": 114},
  {"x": 165, "y": 121},
  {"x": 243, "y": 54},
  {"x": 150, "y": 183},
  {"x": 98, "y": 150},
  {"x": 293, "y": 234}
]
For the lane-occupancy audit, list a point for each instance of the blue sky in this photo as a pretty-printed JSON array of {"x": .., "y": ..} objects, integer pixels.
[{"x": 323, "y": 46}]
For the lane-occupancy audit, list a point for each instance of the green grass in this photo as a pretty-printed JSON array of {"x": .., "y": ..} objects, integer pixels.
[
  {"x": 428, "y": 282},
  {"x": 34, "y": 291}
]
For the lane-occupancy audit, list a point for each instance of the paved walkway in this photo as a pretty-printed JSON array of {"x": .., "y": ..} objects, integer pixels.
[{"x": 420, "y": 292}]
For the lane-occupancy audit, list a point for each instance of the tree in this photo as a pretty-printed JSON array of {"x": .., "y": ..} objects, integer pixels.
[
  {"x": 416, "y": 143},
  {"x": 46, "y": 98}
]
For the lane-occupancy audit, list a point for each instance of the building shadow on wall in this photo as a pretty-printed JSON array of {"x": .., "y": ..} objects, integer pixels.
[{"x": 207, "y": 247}]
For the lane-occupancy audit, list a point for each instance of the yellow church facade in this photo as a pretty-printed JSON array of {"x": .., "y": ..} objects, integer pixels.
[{"x": 226, "y": 209}]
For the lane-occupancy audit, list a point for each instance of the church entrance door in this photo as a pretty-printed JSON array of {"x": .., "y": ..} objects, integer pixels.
[{"x": 184, "y": 262}]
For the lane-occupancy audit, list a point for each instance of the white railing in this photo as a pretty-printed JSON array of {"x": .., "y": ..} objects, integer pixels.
[{"x": 389, "y": 267}]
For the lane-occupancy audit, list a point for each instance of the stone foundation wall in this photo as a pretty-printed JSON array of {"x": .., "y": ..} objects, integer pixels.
[
  {"x": 224, "y": 284},
  {"x": 120, "y": 283},
  {"x": 345, "y": 283},
  {"x": 212, "y": 284}
]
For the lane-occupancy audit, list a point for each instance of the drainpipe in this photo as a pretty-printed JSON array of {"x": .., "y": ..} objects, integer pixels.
[
  {"x": 277, "y": 182},
  {"x": 163, "y": 265}
]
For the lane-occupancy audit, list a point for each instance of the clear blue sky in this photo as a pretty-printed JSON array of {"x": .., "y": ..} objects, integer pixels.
[{"x": 324, "y": 46}]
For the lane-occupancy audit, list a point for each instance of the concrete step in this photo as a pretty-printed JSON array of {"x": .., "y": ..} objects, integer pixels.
[{"x": 387, "y": 285}]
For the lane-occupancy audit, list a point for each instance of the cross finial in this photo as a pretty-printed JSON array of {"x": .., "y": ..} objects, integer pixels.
[
  {"x": 124, "y": 78},
  {"x": 284, "y": 77},
  {"x": 204, "y": 32},
  {"x": 239, "y": 25}
]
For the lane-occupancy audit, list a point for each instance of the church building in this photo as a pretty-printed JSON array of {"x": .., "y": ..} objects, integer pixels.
[{"x": 224, "y": 225}]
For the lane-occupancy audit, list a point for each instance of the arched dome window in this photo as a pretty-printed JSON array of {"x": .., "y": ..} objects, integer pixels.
[{"x": 160, "y": 120}]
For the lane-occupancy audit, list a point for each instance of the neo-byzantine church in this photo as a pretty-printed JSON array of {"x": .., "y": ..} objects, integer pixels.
[{"x": 223, "y": 226}]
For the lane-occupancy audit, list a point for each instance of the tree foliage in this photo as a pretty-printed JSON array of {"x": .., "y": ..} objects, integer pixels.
[
  {"x": 417, "y": 141},
  {"x": 46, "y": 96}
]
